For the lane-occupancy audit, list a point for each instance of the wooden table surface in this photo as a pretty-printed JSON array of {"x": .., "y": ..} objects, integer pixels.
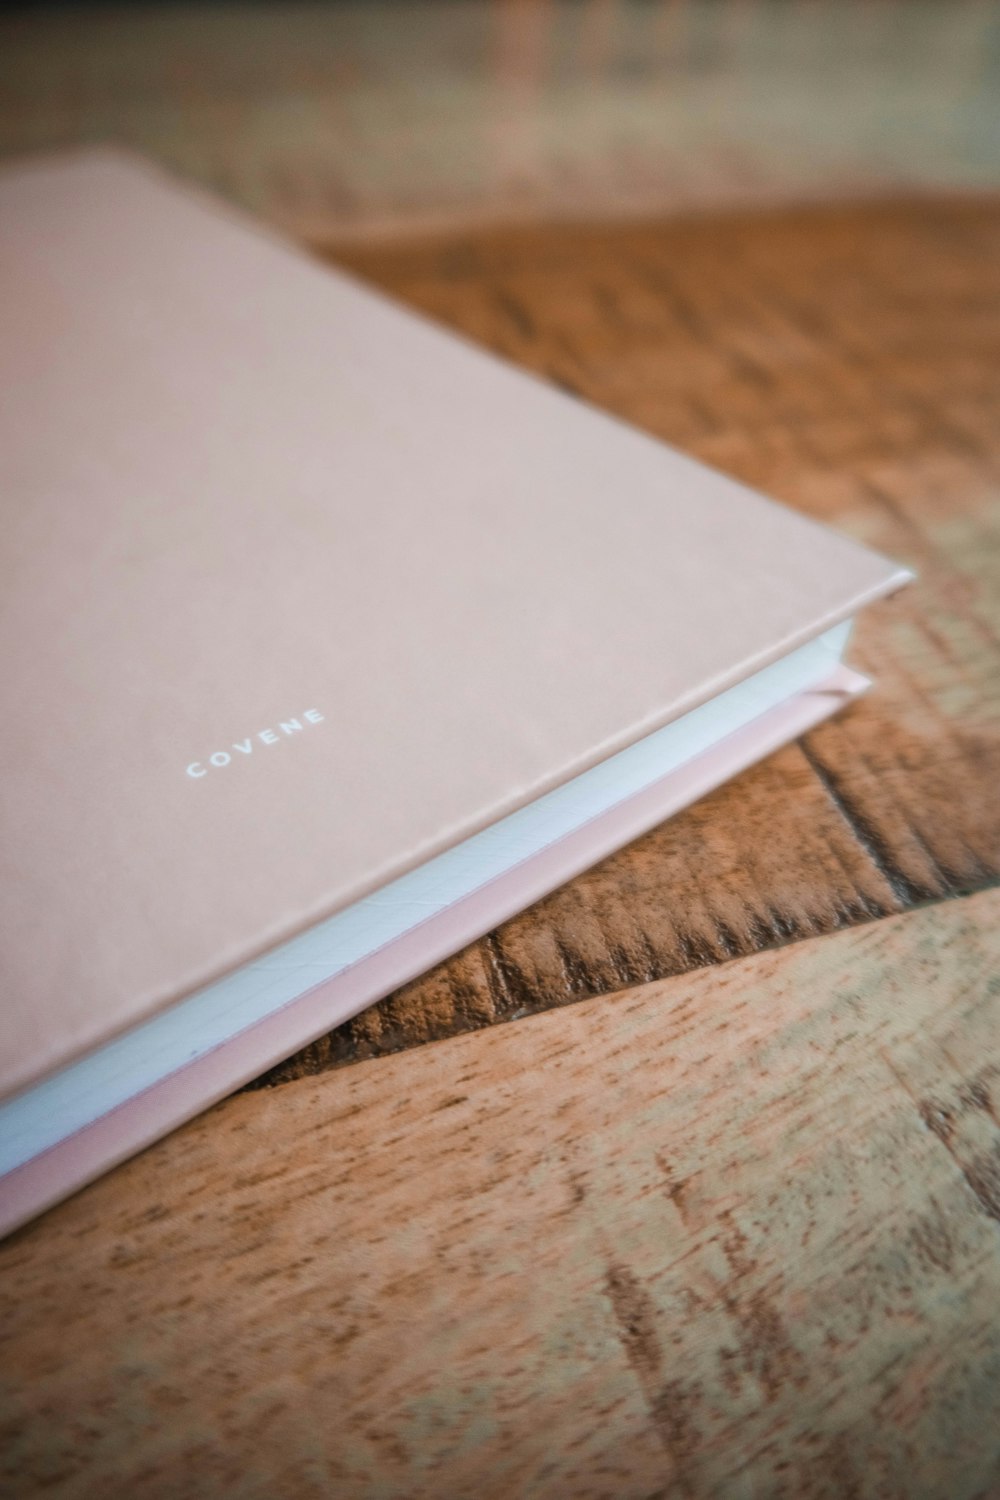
[{"x": 734, "y": 1230}]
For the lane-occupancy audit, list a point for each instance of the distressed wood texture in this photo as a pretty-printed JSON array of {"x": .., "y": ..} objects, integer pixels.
[
  {"x": 734, "y": 1234},
  {"x": 846, "y": 361}
]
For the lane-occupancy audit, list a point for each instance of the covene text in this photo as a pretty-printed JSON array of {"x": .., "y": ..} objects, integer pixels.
[{"x": 254, "y": 744}]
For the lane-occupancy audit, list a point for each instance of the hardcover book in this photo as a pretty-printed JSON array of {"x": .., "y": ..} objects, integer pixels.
[{"x": 329, "y": 642}]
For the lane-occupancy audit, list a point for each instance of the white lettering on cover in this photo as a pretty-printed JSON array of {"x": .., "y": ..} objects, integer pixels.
[{"x": 290, "y": 728}]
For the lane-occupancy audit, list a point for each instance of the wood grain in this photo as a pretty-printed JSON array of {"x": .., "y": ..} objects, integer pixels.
[
  {"x": 732, "y": 1234},
  {"x": 846, "y": 361}
]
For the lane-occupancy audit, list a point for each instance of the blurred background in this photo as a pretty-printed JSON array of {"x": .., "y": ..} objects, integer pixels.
[{"x": 367, "y": 117}]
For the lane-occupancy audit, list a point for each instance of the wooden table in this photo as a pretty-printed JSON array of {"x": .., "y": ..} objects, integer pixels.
[{"x": 734, "y": 1229}]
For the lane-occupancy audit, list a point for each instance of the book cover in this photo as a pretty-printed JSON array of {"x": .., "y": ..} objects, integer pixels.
[{"x": 300, "y": 591}]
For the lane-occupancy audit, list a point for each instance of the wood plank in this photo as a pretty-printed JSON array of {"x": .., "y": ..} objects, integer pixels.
[
  {"x": 845, "y": 360},
  {"x": 734, "y": 1233}
]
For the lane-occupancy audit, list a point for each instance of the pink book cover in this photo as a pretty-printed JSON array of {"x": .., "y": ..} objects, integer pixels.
[{"x": 300, "y": 591}]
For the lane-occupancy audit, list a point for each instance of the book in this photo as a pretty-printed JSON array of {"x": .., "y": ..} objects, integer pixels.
[{"x": 330, "y": 641}]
